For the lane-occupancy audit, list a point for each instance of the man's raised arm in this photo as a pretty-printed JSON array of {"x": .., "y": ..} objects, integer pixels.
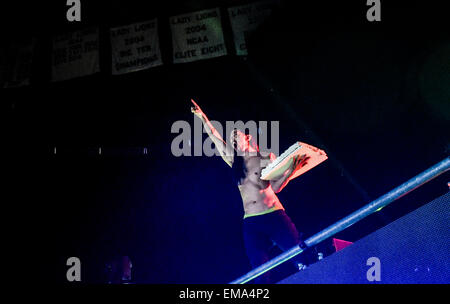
[{"x": 224, "y": 149}]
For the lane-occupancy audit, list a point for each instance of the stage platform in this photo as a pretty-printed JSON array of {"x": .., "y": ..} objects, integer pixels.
[{"x": 414, "y": 249}]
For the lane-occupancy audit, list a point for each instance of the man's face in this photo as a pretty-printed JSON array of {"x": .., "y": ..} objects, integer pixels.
[{"x": 240, "y": 141}]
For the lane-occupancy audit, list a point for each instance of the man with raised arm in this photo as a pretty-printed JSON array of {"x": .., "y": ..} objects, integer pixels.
[{"x": 265, "y": 220}]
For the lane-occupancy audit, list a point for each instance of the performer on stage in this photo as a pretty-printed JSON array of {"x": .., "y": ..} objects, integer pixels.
[{"x": 265, "y": 220}]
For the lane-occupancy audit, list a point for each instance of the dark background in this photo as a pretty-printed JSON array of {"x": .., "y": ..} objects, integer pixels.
[{"x": 375, "y": 96}]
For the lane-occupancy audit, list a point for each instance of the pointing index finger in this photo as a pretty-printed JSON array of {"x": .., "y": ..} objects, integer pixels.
[{"x": 192, "y": 100}]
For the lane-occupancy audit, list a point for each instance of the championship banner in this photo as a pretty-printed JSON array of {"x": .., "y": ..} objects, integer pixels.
[
  {"x": 21, "y": 58},
  {"x": 75, "y": 54},
  {"x": 245, "y": 19},
  {"x": 135, "y": 47},
  {"x": 197, "y": 36}
]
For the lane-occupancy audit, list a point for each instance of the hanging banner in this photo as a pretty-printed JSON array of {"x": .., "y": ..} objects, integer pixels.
[
  {"x": 21, "y": 58},
  {"x": 75, "y": 54},
  {"x": 135, "y": 47},
  {"x": 197, "y": 36},
  {"x": 245, "y": 19}
]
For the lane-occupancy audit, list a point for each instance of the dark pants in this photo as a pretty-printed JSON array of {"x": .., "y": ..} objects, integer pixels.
[{"x": 260, "y": 234}]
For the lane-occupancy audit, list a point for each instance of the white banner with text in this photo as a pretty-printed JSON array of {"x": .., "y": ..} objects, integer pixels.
[
  {"x": 135, "y": 47},
  {"x": 245, "y": 19},
  {"x": 75, "y": 54},
  {"x": 197, "y": 36}
]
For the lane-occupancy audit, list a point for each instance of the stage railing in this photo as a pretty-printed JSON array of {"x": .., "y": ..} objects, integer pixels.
[{"x": 346, "y": 222}]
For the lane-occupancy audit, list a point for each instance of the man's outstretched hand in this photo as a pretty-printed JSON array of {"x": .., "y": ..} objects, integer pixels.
[{"x": 196, "y": 109}]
